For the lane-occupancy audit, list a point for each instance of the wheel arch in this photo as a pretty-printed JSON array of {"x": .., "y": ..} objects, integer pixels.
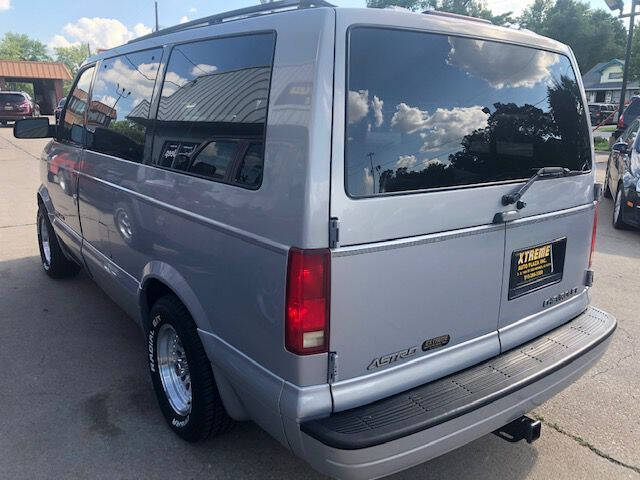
[{"x": 159, "y": 279}]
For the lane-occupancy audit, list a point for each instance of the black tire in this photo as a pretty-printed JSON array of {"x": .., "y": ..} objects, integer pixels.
[
  {"x": 57, "y": 265},
  {"x": 618, "y": 222},
  {"x": 207, "y": 416},
  {"x": 607, "y": 188}
]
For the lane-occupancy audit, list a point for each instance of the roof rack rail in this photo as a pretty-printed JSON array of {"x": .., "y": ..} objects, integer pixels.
[
  {"x": 269, "y": 7},
  {"x": 457, "y": 15}
]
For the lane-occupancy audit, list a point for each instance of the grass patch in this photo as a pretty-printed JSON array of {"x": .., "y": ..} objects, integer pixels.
[
  {"x": 607, "y": 128},
  {"x": 601, "y": 144}
]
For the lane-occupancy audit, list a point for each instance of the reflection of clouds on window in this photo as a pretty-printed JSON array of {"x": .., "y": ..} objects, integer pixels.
[
  {"x": 139, "y": 81},
  {"x": 172, "y": 82},
  {"x": 440, "y": 128},
  {"x": 406, "y": 161},
  {"x": 203, "y": 69},
  {"x": 376, "y": 104},
  {"x": 107, "y": 100},
  {"x": 367, "y": 179},
  {"x": 451, "y": 125},
  {"x": 501, "y": 65},
  {"x": 358, "y": 107}
]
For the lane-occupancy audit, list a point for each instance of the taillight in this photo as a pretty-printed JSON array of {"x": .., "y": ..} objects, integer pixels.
[
  {"x": 307, "y": 302},
  {"x": 621, "y": 121},
  {"x": 593, "y": 234},
  {"x": 25, "y": 106}
]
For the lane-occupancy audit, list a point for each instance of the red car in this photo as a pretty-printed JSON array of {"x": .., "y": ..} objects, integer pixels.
[{"x": 16, "y": 106}]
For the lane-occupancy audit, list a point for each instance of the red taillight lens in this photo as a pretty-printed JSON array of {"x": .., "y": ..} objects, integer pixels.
[
  {"x": 25, "y": 106},
  {"x": 593, "y": 234},
  {"x": 307, "y": 303},
  {"x": 621, "y": 121}
]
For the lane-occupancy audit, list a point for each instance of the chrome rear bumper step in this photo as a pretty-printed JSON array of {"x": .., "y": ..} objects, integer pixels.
[{"x": 442, "y": 400}]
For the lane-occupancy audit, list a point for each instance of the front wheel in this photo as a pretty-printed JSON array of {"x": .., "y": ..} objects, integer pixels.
[
  {"x": 618, "y": 222},
  {"x": 607, "y": 188},
  {"x": 181, "y": 373},
  {"x": 54, "y": 261}
]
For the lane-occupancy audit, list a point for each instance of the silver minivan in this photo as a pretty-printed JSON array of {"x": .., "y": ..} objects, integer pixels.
[{"x": 368, "y": 231}]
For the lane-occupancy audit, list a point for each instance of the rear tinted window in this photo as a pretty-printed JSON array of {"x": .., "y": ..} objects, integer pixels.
[
  {"x": 434, "y": 111},
  {"x": 633, "y": 108},
  {"x": 213, "y": 109},
  {"x": 11, "y": 99}
]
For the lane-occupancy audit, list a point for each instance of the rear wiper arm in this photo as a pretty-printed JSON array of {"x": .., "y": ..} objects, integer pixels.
[{"x": 544, "y": 172}]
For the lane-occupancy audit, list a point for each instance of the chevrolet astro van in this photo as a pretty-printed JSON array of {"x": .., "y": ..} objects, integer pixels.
[{"x": 368, "y": 231}]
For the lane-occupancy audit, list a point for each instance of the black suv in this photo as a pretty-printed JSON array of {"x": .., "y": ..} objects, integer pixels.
[{"x": 629, "y": 114}]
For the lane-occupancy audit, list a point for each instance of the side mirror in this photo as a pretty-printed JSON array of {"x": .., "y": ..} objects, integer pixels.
[
  {"x": 621, "y": 147},
  {"x": 33, "y": 128}
]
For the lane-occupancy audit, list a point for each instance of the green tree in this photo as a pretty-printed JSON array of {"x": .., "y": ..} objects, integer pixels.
[
  {"x": 473, "y": 8},
  {"x": 17, "y": 46},
  {"x": 593, "y": 35},
  {"x": 72, "y": 56}
]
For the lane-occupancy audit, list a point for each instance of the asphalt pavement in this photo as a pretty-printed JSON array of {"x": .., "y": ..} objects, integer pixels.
[{"x": 77, "y": 401}]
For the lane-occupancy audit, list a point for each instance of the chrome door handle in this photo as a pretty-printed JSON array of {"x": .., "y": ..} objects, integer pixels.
[{"x": 507, "y": 216}]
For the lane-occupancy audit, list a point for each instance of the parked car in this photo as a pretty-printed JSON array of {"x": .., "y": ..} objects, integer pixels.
[
  {"x": 17, "y": 105},
  {"x": 369, "y": 231},
  {"x": 59, "y": 108},
  {"x": 602, "y": 114},
  {"x": 629, "y": 114},
  {"x": 622, "y": 179}
]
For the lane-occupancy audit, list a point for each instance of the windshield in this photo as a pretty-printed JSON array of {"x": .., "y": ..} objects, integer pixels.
[
  {"x": 435, "y": 111},
  {"x": 11, "y": 99}
]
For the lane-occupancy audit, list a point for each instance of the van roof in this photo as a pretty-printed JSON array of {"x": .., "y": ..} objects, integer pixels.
[{"x": 395, "y": 16}]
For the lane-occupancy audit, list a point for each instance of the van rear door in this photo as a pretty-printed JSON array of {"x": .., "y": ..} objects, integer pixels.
[{"x": 430, "y": 131}]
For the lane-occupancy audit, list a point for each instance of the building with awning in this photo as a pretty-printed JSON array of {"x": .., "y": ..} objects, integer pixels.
[{"x": 47, "y": 79}]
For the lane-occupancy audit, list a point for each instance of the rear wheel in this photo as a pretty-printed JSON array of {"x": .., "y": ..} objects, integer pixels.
[
  {"x": 181, "y": 373},
  {"x": 618, "y": 222},
  {"x": 54, "y": 261}
]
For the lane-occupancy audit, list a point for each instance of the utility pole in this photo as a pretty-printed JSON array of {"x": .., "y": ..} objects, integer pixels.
[
  {"x": 156, "y": 5},
  {"x": 619, "y": 5},
  {"x": 373, "y": 173}
]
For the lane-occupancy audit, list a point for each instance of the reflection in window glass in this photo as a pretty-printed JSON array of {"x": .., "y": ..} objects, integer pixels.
[
  {"x": 74, "y": 113},
  {"x": 118, "y": 116},
  {"x": 212, "y": 89},
  {"x": 431, "y": 111},
  {"x": 250, "y": 170}
]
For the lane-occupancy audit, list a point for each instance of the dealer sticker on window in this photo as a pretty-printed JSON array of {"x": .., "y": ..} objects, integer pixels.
[{"x": 536, "y": 266}]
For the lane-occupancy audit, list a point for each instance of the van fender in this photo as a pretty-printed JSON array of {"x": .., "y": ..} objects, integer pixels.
[
  {"x": 168, "y": 275},
  {"x": 165, "y": 273},
  {"x": 43, "y": 197}
]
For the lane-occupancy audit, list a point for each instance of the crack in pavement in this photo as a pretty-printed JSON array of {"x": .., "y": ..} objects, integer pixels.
[
  {"x": 20, "y": 148},
  {"x": 17, "y": 225},
  {"x": 582, "y": 442}
]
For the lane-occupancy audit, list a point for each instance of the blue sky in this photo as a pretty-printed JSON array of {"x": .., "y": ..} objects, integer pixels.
[{"x": 107, "y": 23}]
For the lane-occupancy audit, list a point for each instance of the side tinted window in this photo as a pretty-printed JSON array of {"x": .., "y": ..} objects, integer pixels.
[
  {"x": 435, "y": 111},
  {"x": 213, "y": 109},
  {"x": 118, "y": 117},
  {"x": 71, "y": 126}
]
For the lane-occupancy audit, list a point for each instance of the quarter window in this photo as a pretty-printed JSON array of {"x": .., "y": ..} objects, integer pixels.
[
  {"x": 213, "y": 109},
  {"x": 118, "y": 120}
]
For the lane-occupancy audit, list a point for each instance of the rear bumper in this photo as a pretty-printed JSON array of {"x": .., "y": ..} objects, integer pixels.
[
  {"x": 12, "y": 117},
  {"x": 409, "y": 428}
]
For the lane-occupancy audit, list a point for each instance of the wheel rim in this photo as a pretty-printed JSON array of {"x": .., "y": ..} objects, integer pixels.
[
  {"x": 618, "y": 206},
  {"x": 174, "y": 370},
  {"x": 44, "y": 241}
]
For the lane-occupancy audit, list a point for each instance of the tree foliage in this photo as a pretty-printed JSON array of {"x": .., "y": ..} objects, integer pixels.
[
  {"x": 594, "y": 35},
  {"x": 18, "y": 46},
  {"x": 72, "y": 56}
]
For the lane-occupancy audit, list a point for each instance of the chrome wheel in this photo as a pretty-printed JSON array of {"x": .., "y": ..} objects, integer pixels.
[
  {"x": 174, "y": 370},
  {"x": 44, "y": 241}
]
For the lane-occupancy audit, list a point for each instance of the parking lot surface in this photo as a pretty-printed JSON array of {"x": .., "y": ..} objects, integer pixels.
[{"x": 77, "y": 401}]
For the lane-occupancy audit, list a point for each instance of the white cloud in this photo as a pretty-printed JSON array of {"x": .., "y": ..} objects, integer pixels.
[
  {"x": 203, "y": 69},
  {"x": 406, "y": 161},
  {"x": 5, "y": 5},
  {"x": 184, "y": 19},
  {"x": 442, "y": 127},
  {"x": 449, "y": 126},
  {"x": 499, "y": 7},
  {"x": 376, "y": 104},
  {"x": 98, "y": 32},
  {"x": 172, "y": 82},
  {"x": 367, "y": 178},
  {"x": 193, "y": 10},
  {"x": 358, "y": 107},
  {"x": 108, "y": 100},
  {"x": 123, "y": 76},
  {"x": 501, "y": 66}
]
